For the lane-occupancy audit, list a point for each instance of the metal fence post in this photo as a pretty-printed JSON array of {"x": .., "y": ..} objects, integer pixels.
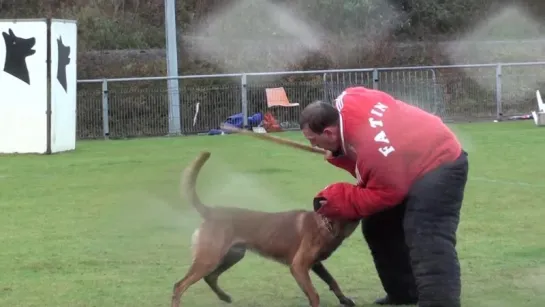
[
  {"x": 324, "y": 82},
  {"x": 105, "y": 110},
  {"x": 437, "y": 104},
  {"x": 498, "y": 92},
  {"x": 244, "y": 99},
  {"x": 174, "y": 115},
  {"x": 375, "y": 79}
]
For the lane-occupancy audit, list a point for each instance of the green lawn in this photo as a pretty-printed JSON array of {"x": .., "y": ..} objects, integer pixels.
[{"x": 104, "y": 226}]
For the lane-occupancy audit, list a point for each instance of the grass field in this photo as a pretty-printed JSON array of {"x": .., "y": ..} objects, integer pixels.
[{"x": 104, "y": 226}]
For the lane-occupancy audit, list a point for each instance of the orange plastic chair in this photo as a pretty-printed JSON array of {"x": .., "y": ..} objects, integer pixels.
[{"x": 277, "y": 97}]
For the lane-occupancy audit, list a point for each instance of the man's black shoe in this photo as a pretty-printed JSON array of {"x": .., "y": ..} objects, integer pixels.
[{"x": 387, "y": 300}]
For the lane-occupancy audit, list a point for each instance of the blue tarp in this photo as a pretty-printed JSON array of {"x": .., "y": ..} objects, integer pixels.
[{"x": 237, "y": 121}]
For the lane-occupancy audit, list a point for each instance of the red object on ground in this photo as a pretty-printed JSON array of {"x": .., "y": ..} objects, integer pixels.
[{"x": 270, "y": 123}]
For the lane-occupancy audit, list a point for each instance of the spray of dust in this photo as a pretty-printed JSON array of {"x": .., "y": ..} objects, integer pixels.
[
  {"x": 219, "y": 184},
  {"x": 240, "y": 37},
  {"x": 498, "y": 40},
  {"x": 465, "y": 139},
  {"x": 499, "y": 37},
  {"x": 253, "y": 35},
  {"x": 238, "y": 189},
  {"x": 535, "y": 279}
]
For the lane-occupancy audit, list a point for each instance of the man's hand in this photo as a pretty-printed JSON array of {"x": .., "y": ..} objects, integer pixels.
[{"x": 335, "y": 203}]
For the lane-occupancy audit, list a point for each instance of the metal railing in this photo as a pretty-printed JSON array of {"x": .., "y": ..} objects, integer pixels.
[{"x": 134, "y": 107}]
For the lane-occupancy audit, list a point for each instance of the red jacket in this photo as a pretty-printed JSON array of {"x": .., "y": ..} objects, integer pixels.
[{"x": 387, "y": 145}]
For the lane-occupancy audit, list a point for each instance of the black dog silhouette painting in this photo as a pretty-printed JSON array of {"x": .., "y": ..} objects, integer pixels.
[
  {"x": 63, "y": 61},
  {"x": 17, "y": 50}
]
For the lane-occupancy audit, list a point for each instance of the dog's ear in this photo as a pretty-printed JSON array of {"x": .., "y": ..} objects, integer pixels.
[
  {"x": 11, "y": 33},
  {"x": 317, "y": 203}
]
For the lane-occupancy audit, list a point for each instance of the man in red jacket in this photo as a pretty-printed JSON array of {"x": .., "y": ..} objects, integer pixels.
[{"x": 411, "y": 174}]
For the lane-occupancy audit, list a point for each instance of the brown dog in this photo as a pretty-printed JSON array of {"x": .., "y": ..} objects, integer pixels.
[{"x": 300, "y": 239}]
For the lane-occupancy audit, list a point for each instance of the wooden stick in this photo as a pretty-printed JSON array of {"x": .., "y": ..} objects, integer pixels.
[{"x": 274, "y": 139}]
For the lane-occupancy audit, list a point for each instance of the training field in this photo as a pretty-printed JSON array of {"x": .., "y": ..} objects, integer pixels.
[{"x": 104, "y": 226}]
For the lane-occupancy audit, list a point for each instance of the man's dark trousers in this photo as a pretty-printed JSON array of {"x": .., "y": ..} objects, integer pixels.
[{"x": 413, "y": 244}]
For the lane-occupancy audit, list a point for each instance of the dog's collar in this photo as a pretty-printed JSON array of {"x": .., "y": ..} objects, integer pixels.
[{"x": 328, "y": 224}]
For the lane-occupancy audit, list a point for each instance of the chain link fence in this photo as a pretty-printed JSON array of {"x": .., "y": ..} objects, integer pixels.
[{"x": 137, "y": 107}]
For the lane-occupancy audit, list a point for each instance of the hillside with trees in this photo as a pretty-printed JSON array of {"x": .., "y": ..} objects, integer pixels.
[
  {"x": 125, "y": 38},
  {"x": 115, "y": 35}
]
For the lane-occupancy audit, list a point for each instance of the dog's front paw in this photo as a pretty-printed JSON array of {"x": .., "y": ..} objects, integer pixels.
[
  {"x": 347, "y": 302},
  {"x": 225, "y": 297}
]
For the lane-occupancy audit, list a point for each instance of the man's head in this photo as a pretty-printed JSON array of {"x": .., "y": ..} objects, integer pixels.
[{"x": 319, "y": 122}]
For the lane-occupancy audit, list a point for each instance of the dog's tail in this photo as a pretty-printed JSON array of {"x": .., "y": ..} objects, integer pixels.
[{"x": 189, "y": 182}]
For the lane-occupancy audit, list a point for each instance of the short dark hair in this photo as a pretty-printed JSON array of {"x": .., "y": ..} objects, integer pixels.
[{"x": 319, "y": 115}]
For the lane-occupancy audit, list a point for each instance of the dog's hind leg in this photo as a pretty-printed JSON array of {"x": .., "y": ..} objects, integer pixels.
[
  {"x": 324, "y": 275},
  {"x": 209, "y": 246},
  {"x": 233, "y": 256}
]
